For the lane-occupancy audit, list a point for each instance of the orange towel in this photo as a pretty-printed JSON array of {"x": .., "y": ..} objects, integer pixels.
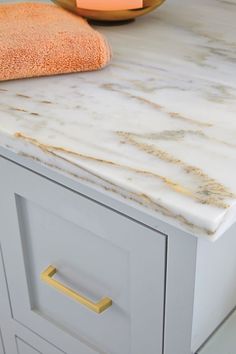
[{"x": 42, "y": 39}]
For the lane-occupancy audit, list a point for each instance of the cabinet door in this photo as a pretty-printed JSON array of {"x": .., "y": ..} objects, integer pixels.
[{"x": 97, "y": 253}]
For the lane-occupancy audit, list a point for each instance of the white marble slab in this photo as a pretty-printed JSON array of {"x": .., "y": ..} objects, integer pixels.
[{"x": 157, "y": 127}]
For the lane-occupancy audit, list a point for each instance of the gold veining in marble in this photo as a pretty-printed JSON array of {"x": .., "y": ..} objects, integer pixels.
[
  {"x": 140, "y": 198},
  {"x": 209, "y": 191}
]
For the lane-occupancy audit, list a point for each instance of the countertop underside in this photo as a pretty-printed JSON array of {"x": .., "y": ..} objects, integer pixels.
[{"x": 157, "y": 127}]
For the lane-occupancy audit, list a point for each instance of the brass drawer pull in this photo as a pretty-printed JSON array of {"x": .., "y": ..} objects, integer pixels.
[{"x": 98, "y": 307}]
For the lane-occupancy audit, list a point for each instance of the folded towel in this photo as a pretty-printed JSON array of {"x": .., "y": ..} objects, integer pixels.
[{"x": 42, "y": 39}]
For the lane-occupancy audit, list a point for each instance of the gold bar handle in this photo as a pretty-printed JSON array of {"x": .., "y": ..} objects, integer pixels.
[{"x": 99, "y": 307}]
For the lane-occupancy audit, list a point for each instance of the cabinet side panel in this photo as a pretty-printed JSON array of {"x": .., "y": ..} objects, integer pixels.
[
  {"x": 215, "y": 290},
  {"x": 180, "y": 279}
]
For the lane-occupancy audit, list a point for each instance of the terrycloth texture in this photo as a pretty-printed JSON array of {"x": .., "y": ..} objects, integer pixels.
[{"x": 43, "y": 39}]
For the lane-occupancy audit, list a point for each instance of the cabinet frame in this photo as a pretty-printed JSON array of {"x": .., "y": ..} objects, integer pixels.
[
  {"x": 30, "y": 318},
  {"x": 181, "y": 250}
]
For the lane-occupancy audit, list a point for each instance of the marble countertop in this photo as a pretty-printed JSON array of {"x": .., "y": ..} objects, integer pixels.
[{"x": 157, "y": 127}]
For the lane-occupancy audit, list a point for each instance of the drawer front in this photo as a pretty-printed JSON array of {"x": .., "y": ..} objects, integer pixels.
[
  {"x": 29, "y": 343},
  {"x": 97, "y": 252},
  {"x": 32, "y": 345},
  {"x": 25, "y": 348}
]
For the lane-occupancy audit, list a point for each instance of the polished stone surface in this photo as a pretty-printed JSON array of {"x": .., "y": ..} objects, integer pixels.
[{"x": 157, "y": 127}]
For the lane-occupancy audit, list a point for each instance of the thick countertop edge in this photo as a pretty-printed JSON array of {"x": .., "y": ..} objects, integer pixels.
[{"x": 34, "y": 153}]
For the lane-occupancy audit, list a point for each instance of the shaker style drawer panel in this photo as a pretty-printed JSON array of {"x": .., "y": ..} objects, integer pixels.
[
  {"x": 82, "y": 276},
  {"x": 28, "y": 344},
  {"x": 25, "y": 348}
]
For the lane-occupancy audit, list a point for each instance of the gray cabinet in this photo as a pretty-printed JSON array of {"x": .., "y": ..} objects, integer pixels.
[
  {"x": 39, "y": 346},
  {"x": 224, "y": 340},
  {"x": 97, "y": 253},
  {"x": 1, "y": 344},
  {"x": 79, "y": 277},
  {"x": 15, "y": 338},
  {"x": 25, "y": 348}
]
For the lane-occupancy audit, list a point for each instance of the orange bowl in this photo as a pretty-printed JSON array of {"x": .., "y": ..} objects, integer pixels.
[{"x": 110, "y": 15}]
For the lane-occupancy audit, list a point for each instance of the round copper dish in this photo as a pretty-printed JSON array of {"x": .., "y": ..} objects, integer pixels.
[{"x": 110, "y": 16}]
